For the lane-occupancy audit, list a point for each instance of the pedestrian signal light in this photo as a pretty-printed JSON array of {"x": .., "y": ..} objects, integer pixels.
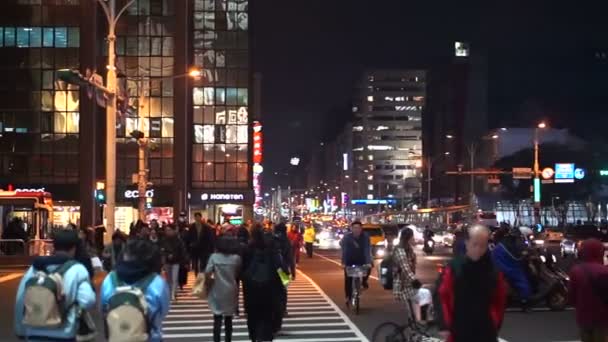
[{"x": 100, "y": 196}]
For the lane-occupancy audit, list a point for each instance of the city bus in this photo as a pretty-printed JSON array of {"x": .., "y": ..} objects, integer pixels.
[
  {"x": 436, "y": 218},
  {"x": 34, "y": 207}
]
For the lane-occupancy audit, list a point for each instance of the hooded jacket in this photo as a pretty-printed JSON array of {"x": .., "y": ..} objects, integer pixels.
[
  {"x": 586, "y": 280},
  {"x": 157, "y": 294}
]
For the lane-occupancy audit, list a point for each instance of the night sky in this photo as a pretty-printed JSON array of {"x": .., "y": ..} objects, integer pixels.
[{"x": 540, "y": 56}]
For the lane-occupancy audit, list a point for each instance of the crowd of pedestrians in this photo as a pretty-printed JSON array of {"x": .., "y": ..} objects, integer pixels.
[{"x": 145, "y": 269}]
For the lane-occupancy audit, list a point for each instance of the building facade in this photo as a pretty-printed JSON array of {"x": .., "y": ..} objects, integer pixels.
[
  {"x": 387, "y": 135},
  {"x": 52, "y": 135}
]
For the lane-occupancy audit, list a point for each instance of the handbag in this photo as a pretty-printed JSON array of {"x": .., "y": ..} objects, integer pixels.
[{"x": 202, "y": 286}]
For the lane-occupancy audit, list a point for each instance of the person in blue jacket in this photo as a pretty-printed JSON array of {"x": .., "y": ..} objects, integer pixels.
[
  {"x": 356, "y": 251},
  {"x": 139, "y": 259},
  {"x": 509, "y": 257},
  {"x": 79, "y": 293}
]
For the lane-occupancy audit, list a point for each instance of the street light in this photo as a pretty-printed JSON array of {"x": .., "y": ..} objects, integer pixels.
[
  {"x": 449, "y": 136},
  {"x": 537, "y": 182}
]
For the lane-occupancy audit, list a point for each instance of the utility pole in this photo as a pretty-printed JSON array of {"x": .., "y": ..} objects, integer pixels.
[
  {"x": 472, "y": 149},
  {"x": 429, "y": 167},
  {"x": 142, "y": 142}
]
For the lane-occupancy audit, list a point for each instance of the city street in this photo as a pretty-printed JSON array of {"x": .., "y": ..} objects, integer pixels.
[{"x": 317, "y": 310}]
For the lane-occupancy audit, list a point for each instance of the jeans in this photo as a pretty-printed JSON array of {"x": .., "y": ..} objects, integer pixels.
[
  {"x": 199, "y": 263},
  {"x": 172, "y": 273},
  {"x": 217, "y": 328},
  {"x": 309, "y": 249}
]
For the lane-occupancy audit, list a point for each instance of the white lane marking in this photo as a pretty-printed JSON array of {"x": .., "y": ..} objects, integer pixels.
[
  {"x": 10, "y": 277},
  {"x": 286, "y": 332},
  {"x": 336, "y": 318},
  {"x": 291, "y": 309},
  {"x": 303, "y": 313},
  {"x": 347, "y": 320},
  {"x": 339, "y": 264},
  {"x": 283, "y": 326}
]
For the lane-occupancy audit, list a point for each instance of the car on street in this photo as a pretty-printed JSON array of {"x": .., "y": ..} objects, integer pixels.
[
  {"x": 574, "y": 235},
  {"x": 376, "y": 239}
]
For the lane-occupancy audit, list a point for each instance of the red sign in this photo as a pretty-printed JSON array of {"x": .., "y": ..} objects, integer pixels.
[{"x": 257, "y": 143}]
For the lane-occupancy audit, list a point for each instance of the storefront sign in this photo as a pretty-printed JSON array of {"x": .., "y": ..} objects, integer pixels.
[
  {"x": 135, "y": 193},
  {"x": 222, "y": 197},
  {"x": 30, "y": 190}
]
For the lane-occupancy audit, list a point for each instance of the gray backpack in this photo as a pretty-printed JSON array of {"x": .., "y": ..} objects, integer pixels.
[
  {"x": 44, "y": 298},
  {"x": 127, "y": 311}
]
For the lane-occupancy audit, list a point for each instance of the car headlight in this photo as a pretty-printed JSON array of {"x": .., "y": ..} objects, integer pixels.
[{"x": 539, "y": 242}]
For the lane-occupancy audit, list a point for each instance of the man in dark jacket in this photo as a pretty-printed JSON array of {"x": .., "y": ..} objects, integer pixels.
[
  {"x": 173, "y": 252},
  {"x": 356, "y": 251},
  {"x": 472, "y": 293},
  {"x": 201, "y": 243},
  {"x": 588, "y": 291}
]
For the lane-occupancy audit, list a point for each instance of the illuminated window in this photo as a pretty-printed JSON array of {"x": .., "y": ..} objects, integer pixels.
[
  {"x": 389, "y": 98},
  {"x": 370, "y": 187},
  {"x": 370, "y": 99},
  {"x": 370, "y": 196},
  {"x": 370, "y": 157},
  {"x": 357, "y": 128},
  {"x": 370, "y": 177}
]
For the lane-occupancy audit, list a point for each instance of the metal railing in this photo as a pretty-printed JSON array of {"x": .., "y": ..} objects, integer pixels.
[{"x": 12, "y": 247}]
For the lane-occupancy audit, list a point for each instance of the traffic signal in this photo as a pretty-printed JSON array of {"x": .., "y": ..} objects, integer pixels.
[{"x": 100, "y": 196}]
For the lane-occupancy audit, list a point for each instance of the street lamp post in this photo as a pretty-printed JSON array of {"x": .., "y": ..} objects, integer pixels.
[
  {"x": 109, "y": 9},
  {"x": 429, "y": 168},
  {"x": 537, "y": 182}
]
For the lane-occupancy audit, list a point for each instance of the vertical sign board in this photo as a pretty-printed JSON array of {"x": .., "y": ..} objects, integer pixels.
[
  {"x": 564, "y": 173},
  {"x": 257, "y": 163}
]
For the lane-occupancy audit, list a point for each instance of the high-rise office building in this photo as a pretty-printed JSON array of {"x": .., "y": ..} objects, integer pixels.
[
  {"x": 387, "y": 135},
  {"x": 52, "y": 135}
]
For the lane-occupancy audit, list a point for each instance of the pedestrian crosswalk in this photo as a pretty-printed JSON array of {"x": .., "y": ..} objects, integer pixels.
[{"x": 312, "y": 317}]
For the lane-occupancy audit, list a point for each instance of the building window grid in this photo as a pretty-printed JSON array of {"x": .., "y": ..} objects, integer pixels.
[
  {"x": 146, "y": 55},
  {"x": 220, "y": 114},
  {"x": 45, "y": 136}
]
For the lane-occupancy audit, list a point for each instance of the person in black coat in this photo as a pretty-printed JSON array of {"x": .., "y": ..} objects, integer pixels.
[
  {"x": 261, "y": 283},
  {"x": 172, "y": 249},
  {"x": 201, "y": 239}
]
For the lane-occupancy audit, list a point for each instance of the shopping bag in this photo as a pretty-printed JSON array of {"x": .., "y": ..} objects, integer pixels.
[{"x": 285, "y": 278}]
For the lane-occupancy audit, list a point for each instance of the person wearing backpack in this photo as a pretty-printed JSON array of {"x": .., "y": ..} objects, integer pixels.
[
  {"x": 38, "y": 312},
  {"x": 261, "y": 284},
  {"x": 588, "y": 292},
  {"x": 223, "y": 267},
  {"x": 134, "y": 297}
]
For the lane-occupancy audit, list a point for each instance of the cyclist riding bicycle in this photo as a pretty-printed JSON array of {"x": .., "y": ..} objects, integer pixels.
[{"x": 356, "y": 251}]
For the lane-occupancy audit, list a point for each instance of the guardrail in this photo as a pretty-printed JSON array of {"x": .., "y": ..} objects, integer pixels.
[{"x": 12, "y": 247}]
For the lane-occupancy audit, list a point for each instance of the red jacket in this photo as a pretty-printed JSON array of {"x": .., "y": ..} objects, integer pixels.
[
  {"x": 446, "y": 296},
  {"x": 591, "y": 311}
]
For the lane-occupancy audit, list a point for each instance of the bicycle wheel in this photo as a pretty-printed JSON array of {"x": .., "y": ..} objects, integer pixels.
[{"x": 388, "y": 332}]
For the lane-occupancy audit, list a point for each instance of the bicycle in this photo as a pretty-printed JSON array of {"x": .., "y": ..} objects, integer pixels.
[
  {"x": 356, "y": 273},
  {"x": 393, "y": 332}
]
